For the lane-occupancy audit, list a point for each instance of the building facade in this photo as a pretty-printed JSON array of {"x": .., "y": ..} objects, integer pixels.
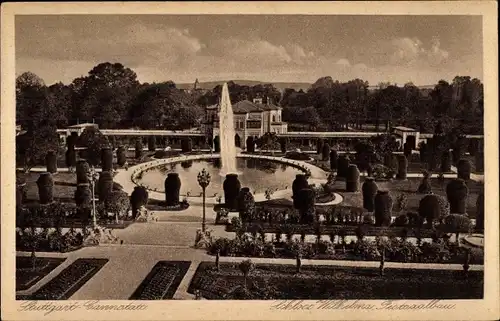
[{"x": 251, "y": 118}]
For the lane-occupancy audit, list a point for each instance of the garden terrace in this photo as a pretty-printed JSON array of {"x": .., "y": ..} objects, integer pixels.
[
  {"x": 66, "y": 283},
  {"x": 272, "y": 281},
  {"x": 28, "y": 275},
  {"x": 162, "y": 282}
]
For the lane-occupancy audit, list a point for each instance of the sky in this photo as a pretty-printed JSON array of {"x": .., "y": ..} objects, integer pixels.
[{"x": 270, "y": 48}]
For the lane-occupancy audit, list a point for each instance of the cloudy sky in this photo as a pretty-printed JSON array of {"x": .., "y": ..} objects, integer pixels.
[{"x": 421, "y": 49}]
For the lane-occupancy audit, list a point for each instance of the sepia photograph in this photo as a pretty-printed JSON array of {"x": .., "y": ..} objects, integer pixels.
[{"x": 306, "y": 161}]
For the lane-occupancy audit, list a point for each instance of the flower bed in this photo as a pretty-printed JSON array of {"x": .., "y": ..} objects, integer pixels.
[
  {"x": 49, "y": 240},
  {"x": 397, "y": 250},
  {"x": 162, "y": 282},
  {"x": 70, "y": 280},
  {"x": 273, "y": 281},
  {"x": 26, "y": 277}
]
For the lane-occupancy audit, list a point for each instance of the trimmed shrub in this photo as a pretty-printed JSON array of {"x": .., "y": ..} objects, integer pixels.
[
  {"x": 383, "y": 208},
  {"x": 456, "y": 223},
  {"x": 138, "y": 198},
  {"x": 117, "y": 202},
  {"x": 250, "y": 145},
  {"x": 319, "y": 146},
  {"x": 464, "y": 169},
  {"x": 83, "y": 195},
  {"x": 106, "y": 159},
  {"x": 401, "y": 202},
  {"x": 307, "y": 200},
  {"x": 70, "y": 157},
  {"x": 479, "y": 161},
  {"x": 45, "y": 185},
  {"x": 480, "y": 211},
  {"x": 457, "y": 152},
  {"x": 342, "y": 166},
  {"x": 138, "y": 149},
  {"x": 444, "y": 207},
  {"x": 333, "y": 160},
  {"x": 82, "y": 169},
  {"x": 412, "y": 142},
  {"x": 457, "y": 192},
  {"x": 473, "y": 147},
  {"x": 401, "y": 220},
  {"x": 430, "y": 208},
  {"x": 352, "y": 179},
  {"x": 117, "y": 187},
  {"x": 231, "y": 188},
  {"x": 282, "y": 144},
  {"x": 390, "y": 161},
  {"x": 186, "y": 145},
  {"x": 151, "y": 143},
  {"x": 217, "y": 144},
  {"x": 424, "y": 150},
  {"x": 407, "y": 150},
  {"x": 425, "y": 186},
  {"x": 172, "y": 189},
  {"x": 298, "y": 184},
  {"x": 20, "y": 193},
  {"x": 325, "y": 152},
  {"x": 121, "y": 156},
  {"x": 446, "y": 159},
  {"x": 51, "y": 162},
  {"x": 369, "y": 191},
  {"x": 104, "y": 185},
  {"x": 71, "y": 141},
  {"x": 246, "y": 205},
  {"x": 402, "y": 167}
]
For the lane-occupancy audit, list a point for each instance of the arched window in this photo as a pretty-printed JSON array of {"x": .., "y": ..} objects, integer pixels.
[{"x": 274, "y": 118}]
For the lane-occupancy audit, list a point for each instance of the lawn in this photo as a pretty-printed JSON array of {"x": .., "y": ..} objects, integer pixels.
[
  {"x": 409, "y": 187},
  {"x": 64, "y": 186},
  {"x": 26, "y": 277},
  {"x": 162, "y": 282},
  {"x": 273, "y": 281}
]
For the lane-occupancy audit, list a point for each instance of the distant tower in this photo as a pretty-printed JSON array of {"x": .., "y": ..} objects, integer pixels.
[{"x": 196, "y": 84}]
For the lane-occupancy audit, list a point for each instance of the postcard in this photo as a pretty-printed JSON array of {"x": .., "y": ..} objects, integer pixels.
[{"x": 250, "y": 161}]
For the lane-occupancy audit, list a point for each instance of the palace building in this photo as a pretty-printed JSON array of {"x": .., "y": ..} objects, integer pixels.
[{"x": 251, "y": 118}]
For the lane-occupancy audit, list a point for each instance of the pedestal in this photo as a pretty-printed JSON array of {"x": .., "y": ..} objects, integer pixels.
[
  {"x": 100, "y": 235},
  {"x": 203, "y": 239}
]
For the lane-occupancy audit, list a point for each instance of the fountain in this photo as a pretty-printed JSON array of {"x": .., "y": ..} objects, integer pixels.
[{"x": 226, "y": 134}]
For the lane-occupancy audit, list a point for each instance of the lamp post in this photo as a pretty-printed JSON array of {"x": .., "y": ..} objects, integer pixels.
[
  {"x": 92, "y": 175},
  {"x": 203, "y": 181}
]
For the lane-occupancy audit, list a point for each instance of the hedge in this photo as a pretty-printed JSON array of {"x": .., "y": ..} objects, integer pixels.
[
  {"x": 45, "y": 185},
  {"x": 457, "y": 192},
  {"x": 106, "y": 159},
  {"x": 352, "y": 179},
  {"x": 383, "y": 208},
  {"x": 231, "y": 188},
  {"x": 463, "y": 169},
  {"x": 369, "y": 191},
  {"x": 51, "y": 162}
]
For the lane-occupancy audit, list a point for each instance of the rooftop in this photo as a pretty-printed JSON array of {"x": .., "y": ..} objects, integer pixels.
[
  {"x": 245, "y": 106},
  {"x": 405, "y": 129},
  {"x": 84, "y": 125}
]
